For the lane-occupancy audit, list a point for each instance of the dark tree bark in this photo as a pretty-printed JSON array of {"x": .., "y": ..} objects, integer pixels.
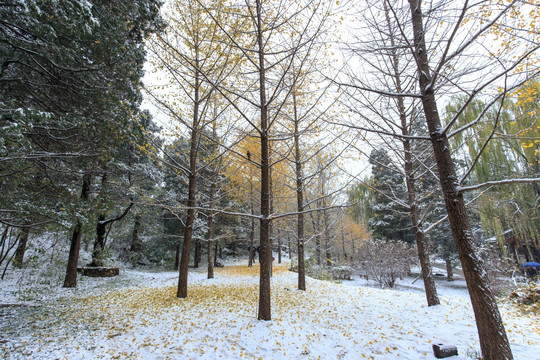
[
  {"x": 251, "y": 243},
  {"x": 186, "y": 245},
  {"x": 192, "y": 188},
  {"x": 188, "y": 234},
  {"x": 101, "y": 231},
  {"x": 423, "y": 255},
  {"x": 493, "y": 340},
  {"x": 136, "y": 245},
  {"x": 327, "y": 249},
  {"x": 289, "y": 246},
  {"x": 219, "y": 252},
  {"x": 177, "y": 255},
  {"x": 343, "y": 244},
  {"x": 197, "y": 256},
  {"x": 210, "y": 224},
  {"x": 99, "y": 243},
  {"x": 75, "y": 246},
  {"x": 71, "y": 274},
  {"x": 449, "y": 270},
  {"x": 210, "y": 247},
  {"x": 264, "y": 312},
  {"x": 279, "y": 247},
  {"x": 21, "y": 246},
  {"x": 299, "y": 201},
  {"x": 317, "y": 229},
  {"x": 5, "y": 239},
  {"x": 252, "y": 231}
]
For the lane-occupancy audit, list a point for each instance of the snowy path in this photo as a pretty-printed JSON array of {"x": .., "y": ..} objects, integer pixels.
[{"x": 137, "y": 316}]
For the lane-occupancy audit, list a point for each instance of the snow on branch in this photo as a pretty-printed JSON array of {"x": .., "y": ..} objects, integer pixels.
[{"x": 463, "y": 189}]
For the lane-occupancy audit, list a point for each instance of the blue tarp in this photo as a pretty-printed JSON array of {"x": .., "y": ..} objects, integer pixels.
[{"x": 531, "y": 264}]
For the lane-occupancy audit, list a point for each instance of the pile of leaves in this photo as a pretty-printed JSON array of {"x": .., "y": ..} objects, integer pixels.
[{"x": 527, "y": 298}]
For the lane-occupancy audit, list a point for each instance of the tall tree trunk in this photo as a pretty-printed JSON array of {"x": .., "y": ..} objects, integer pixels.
[
  {"x": 70, "y": 280},
  {"x": 99, "y": 243},
  {"x": 186, "y": 245},
  {"x": 216, "y": 248},
  {"x": 136, "y": 245},
  {"x": 271, "y": 200},
  {"x": 493, "y": 340},
  {"x": 252, "y": 231},
  {"x": 197, "y": 257},
  {"x": 279, "y": 246},
  {"x": 177, "y": 255},
  {"x": 192, "y": 189},
  {"x": 299, "y": 201},
  {"x": 423, "y": 255},
  {"x": 421, "y": 247},
  {"x": 327, "y": 249},
  {"x": 210, "y": 255},
  {"x": 211, "y": 231},
  {"x": 252, "y": 243},
  {"x": 188, "y": 234},
  {"x": 449, "y": 270},
  {"x": 264, "y": 312},
  {"x": 289, "y": 246},
  {"x": 343, "y": 243},
  {"x": 317, "y": 228},
  {"x": 21, "y": 246},
  {"x": 75, "y": 246}
]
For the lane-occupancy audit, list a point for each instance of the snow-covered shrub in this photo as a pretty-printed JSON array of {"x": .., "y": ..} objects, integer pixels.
[
  {"x": 385, "y": 261},
  {"x": 317, "y": 271}
]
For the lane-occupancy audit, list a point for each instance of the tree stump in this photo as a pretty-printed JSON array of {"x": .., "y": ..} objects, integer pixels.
[
  {"x": 99, "y": 271},
  {"x": 444, "y": 351}
]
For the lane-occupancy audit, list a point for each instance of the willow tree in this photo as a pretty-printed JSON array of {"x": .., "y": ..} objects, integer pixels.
[{"x": 510, "y": 209}]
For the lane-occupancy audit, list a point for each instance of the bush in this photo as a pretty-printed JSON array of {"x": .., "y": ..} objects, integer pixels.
[
  {"x": 312, "y": 269},
  {"x": 316, "y": 271},
  {"x": 385, "y": 261}
]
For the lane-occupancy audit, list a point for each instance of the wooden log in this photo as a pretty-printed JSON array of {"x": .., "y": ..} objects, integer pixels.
[
  {"x": 99, "y": 271},
  {"x": 444, "y": 351}
]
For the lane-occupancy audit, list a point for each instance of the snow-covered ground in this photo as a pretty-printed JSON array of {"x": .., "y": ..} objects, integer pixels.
[{"x": 137, "y": 316}]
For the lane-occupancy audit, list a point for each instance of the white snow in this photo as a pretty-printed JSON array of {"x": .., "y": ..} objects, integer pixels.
[{"x": 137, "y": 316}]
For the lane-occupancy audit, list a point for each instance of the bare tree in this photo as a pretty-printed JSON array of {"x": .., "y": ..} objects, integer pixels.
[
  {"x": 391, "y": 119},
  {"x": 275, "y": 33},
  {"x": 195, "y": 61}
]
